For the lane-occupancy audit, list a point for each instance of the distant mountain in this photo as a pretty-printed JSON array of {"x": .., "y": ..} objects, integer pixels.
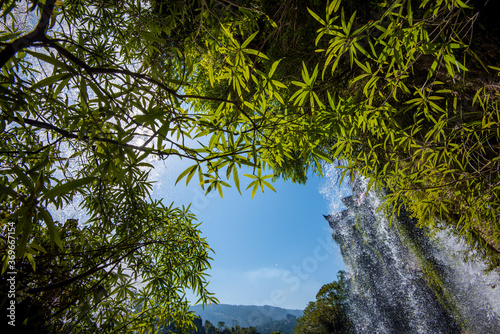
[{"x": 247, "y": 315}]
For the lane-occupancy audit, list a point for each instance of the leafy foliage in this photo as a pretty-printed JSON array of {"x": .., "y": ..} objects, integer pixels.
[
  {"x": 405, "y": 92},
  {"x": 208, "y": 328},
  {"x": 328, "y": 314},
  {"x": 93, "y": 285},
  {"x": 92, "y": 93},
  {"x": 416, "y": 109}
]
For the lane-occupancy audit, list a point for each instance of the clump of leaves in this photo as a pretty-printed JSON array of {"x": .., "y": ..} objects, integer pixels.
[{"x": 421, "y": 112}]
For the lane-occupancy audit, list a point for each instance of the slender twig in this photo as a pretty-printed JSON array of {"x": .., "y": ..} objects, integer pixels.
[{"x": 37, "y": 35}]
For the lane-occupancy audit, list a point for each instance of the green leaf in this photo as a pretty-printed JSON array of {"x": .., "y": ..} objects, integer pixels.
[
  {"x": 255, "y": 187},
  {"x": 52, "y": 79},
  {"x": 298, "y": 83},
  {"x": 249, "y": 39},
  {"x": 316, "y": 17},
  {"x": 151, "y": 116},
  {"x": 31, "y": 260},
  {"x": 53, "y": 232},
  {"x": 256, "y": 53},
  {"x": 67, "y": 187},
  {"x": 340, "y": 147},
  {"x": 462, "y": 4},
  {"x": 334, "y": 6},
  {"x": 321, "y": 155},
  {"x": 37, "y": 247},
  {"x": 151, "y": 37},
  {"x": 25, "y": 180},
  {"x": 347, "y": 30},
  {"x": 305, "y": 74},
  {"x": 236, "y": 178},
  {"x": 8, "y": 36},
  {"x": 273, "y": 69},
  {"x": 219, "y": 189},
  {"x": 363, "y": 67},
  {"x": 267, "y": 184},
  {"x": 8, "y": 191},
  {"x": 48, "y": 59}
]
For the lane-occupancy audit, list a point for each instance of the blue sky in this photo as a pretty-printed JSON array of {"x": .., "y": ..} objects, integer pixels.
[{"x": 275, "y": 249}]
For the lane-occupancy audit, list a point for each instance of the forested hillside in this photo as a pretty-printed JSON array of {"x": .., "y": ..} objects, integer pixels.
[
  {"x": 404, "y": 92},
  {"x": 245, "y": 315}
]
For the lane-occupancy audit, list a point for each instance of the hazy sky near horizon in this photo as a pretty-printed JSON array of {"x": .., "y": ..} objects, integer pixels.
[{"x": 275, "y": 249}]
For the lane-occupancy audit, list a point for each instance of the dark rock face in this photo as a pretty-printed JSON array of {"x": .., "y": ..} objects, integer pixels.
[{"x": 391, "y": 272}]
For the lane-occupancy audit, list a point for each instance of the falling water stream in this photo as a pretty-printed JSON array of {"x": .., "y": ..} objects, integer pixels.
[{"x": 404, "y": 281}]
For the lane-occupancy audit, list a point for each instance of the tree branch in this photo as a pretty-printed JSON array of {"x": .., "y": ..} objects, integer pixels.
[
  {"x": 37, "y": 35},
  {"x": 32, "y": 152},
  {"x": 157, "y": 152},
  {"x": 103, "y": 70},
  {"x": 77, "y": 277},
  {"x": 67, "y": 134}
]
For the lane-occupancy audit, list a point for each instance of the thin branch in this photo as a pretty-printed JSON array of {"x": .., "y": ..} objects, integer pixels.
[
  {"x": 67, "y": 134},
  {"x": 37, "y": 35},
  {"x": 32, "y": 152},
  {"x": 78, "y": 277}
]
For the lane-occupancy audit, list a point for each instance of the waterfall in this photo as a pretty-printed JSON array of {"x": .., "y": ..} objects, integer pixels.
[{"x": 403, "y": 281}]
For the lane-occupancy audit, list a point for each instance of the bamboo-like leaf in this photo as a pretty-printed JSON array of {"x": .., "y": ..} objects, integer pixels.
[
  {"x": 320, "y": 154},
  {"x": 66, "y": 188},
  {"x": 46, "y": 58},
  {"x": 4, "y": 36},
  {"x": 334, "y": 6},
  {"x": 316, "y": 16},
  {"x": 349, "y": 25},
  {"x": 256, "y": 53},
  {"x": 189, "y": 172},
  {"x": 273, "y": 68},
  {"x": 151, "y": 37},
  {"x": 462, "y": 4},
  {"x": 8, "y": 191},
  {"x": 236, "y": 178},
  {"x": 219, "y": 189},
  {"x": 37, "y": 247},
  {"x": 55, "y": 238},
  {"x": 51, "y": 80},
  {"x": 305, "y": 75},
  {"x": 249, "y": 39},
  {"x": 31, "y": 260}
]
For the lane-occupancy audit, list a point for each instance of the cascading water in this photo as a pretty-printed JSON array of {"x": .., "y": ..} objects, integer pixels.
[{"x": 403, "y": 281}]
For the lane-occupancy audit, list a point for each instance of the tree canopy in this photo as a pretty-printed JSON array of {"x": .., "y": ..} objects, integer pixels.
[
  {"x": 91, "y": 92},
  {"x": 329, "y": 313},
  {"x": 404, "y": 92},
  {"x": 414, "y": 107}
]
